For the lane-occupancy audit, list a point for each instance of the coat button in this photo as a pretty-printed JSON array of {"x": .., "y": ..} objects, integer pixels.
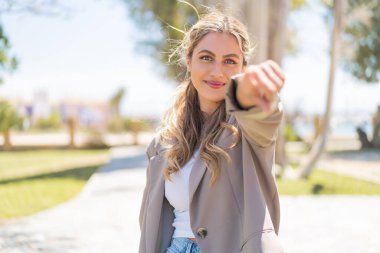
[{"x": 202, "y": 232}]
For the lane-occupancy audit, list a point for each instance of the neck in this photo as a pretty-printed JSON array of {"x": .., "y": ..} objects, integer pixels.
[{"x": 209, "y": 108}]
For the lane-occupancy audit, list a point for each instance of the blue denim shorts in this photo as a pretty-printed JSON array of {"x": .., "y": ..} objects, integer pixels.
[{"x": 183, "y": 245}]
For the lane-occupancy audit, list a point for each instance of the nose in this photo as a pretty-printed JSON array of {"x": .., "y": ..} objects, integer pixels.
[{"x": 217, "y": 70}]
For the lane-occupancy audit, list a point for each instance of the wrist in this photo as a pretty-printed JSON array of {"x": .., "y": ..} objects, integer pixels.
[{"x": 244, "y": 101}]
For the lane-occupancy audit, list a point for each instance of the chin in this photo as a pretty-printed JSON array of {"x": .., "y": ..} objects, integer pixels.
[{"x": 217, "y": 100}]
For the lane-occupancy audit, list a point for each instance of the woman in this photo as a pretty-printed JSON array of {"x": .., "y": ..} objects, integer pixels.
[{"x": 210, "y": 184}]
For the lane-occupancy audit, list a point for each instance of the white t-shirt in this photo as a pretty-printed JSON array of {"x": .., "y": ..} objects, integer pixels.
[{"x": 177, "y": 193}]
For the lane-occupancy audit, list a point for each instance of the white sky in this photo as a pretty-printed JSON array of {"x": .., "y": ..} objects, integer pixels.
[{"x": 91, "y": 54}]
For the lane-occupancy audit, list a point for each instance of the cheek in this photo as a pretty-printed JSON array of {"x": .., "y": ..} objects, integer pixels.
[
  {"x": 199, "y": 68},
  {"x": 198, "y": 73},
  {"x": 233, "y": 71},
  {"x": 196, "y": 81}
]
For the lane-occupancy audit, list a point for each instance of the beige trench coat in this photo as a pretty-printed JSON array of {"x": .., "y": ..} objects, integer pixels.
[{"x": 241, "y": 211}]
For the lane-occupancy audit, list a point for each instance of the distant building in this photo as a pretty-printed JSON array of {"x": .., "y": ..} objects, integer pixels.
[
  {"x": 40, "y": 106},
  {"x": 87, "y": 113}
]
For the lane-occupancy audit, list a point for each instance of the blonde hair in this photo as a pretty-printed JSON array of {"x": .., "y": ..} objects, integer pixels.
[{"x": 184, "y": 128}]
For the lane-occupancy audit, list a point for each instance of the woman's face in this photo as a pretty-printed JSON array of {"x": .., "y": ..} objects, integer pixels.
[{"x": 215, "y": 59}]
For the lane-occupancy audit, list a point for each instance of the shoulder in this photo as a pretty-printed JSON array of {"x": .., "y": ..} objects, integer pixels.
[{"x": 154, "y": 146}]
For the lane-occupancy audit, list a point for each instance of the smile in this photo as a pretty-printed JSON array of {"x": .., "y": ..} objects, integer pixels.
[{"x": 214, "y": 84}]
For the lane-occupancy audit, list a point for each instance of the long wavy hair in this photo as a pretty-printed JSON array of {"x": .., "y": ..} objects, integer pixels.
[{"x": 184, "y": 127}]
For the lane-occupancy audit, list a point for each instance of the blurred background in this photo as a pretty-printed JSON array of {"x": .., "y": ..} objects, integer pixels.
[{"x": 82, "y": 80}]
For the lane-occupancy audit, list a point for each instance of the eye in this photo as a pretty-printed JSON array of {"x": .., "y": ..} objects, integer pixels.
[
  {"x": 230, "y": 61},
  {"x": 206, "y": 58}
]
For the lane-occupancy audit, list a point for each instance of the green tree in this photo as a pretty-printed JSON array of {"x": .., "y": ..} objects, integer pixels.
[
  {"x": 53, "y": 121},
  {"x": 362, "y": 39},
  {"x": 8, "y": 62},
  {"x": 163, "y": 22},
  {"x": 8, "y": 120},
  {"x": 362, "y": 50}
]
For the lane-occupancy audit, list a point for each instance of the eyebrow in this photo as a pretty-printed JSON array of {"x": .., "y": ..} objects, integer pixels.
[{"x": 224, "y": 56}]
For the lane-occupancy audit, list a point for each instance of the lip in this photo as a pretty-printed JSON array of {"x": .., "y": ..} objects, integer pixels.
[{"x": 214, "y": 84}]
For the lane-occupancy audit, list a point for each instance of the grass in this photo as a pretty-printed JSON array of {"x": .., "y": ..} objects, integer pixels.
[
  {"x": 327, "y": 183},
  {"x": 32, "y": 181},
  {"x": 25, "y": 196},
  {"x": 27, "y": 163}
]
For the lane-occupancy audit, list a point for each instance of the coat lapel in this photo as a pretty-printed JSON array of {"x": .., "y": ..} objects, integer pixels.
[
  {"x": 197, "y": 172},
  {"x": 199, "y": 168}
]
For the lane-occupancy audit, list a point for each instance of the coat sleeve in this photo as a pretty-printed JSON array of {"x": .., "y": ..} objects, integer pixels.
[
  {"x": 259, "y": 127},
  {"x": 150, "y": 152}
]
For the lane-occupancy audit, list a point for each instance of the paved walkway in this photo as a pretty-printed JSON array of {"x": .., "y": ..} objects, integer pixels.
[
  {"x": 104, "y": 218},
  {"x": 364, "y": 164}
]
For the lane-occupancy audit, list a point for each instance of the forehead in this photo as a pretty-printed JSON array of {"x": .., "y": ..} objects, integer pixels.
[{"x": 219, "y": 43}]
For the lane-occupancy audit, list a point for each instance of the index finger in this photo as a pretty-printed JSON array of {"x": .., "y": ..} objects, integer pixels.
[{"x": 276, "y": 69}]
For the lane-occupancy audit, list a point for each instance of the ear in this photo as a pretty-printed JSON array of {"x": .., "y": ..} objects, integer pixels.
[{"x": 188, "y": 64}]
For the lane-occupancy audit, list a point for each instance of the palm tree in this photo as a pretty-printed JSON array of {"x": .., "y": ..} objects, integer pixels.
[
  {"x": 72, "y": 127},
  {"x": 8, "y": 120},
  {"x": 115, "y": 101},
  {"x": 266, "y": 20},
  {"x": 319, "y": 145}
]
